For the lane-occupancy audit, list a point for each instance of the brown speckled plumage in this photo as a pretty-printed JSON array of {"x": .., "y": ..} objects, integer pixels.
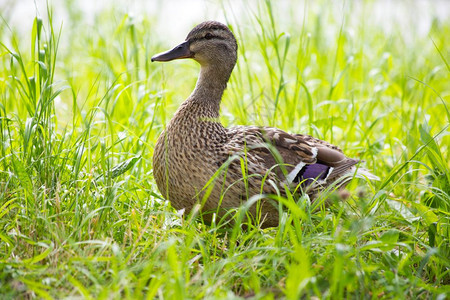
[{"x": 194, "y": 145}]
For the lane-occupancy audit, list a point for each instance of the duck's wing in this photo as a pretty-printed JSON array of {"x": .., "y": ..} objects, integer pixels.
[{"x": 295, "y": 158}]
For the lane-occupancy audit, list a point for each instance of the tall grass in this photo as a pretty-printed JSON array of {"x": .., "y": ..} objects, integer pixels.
[{"x": 81, "y": 107}]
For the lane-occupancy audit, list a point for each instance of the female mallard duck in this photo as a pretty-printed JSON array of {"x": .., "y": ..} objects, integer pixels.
[{"x": 197, "y": 160}]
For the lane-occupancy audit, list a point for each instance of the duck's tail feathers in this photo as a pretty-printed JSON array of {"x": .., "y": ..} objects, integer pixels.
[{"x": 363, "y": 173}]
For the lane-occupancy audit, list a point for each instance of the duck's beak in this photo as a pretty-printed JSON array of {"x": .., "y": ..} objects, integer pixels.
[{"x": 180, "y": 51}]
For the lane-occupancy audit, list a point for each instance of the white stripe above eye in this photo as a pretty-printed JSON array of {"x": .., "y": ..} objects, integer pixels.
[{"x": 291, "y": 176}]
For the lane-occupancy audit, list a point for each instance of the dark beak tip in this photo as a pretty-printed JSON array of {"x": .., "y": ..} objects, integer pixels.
[{"x": 180, "y": 51}]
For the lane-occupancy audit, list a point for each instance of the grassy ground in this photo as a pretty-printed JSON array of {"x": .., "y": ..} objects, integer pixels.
[{"x": 81, "y": 108}]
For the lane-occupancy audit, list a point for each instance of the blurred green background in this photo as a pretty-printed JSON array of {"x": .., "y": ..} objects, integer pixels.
[{"x": 81, "y": 107}]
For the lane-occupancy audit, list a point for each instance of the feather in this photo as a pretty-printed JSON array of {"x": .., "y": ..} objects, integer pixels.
[
  {"x": 364, "y": 173},
  {"x": 194, "y": 150}
]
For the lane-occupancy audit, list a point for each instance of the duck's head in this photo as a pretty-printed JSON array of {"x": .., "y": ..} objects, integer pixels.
[{"x": 210, "y": 43}]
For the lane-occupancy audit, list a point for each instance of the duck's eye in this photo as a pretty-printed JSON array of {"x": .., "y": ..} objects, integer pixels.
[{"x": 208, "y": 36}]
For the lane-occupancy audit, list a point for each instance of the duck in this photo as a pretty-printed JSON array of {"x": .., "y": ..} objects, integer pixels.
[{"x": 197, "y": 162}]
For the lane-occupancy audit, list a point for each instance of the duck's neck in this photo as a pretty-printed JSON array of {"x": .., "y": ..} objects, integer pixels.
[{"x": 209, "y": 89}]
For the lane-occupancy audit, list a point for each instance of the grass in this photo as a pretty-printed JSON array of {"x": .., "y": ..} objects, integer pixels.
[{"x": 81, "y": 107}]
